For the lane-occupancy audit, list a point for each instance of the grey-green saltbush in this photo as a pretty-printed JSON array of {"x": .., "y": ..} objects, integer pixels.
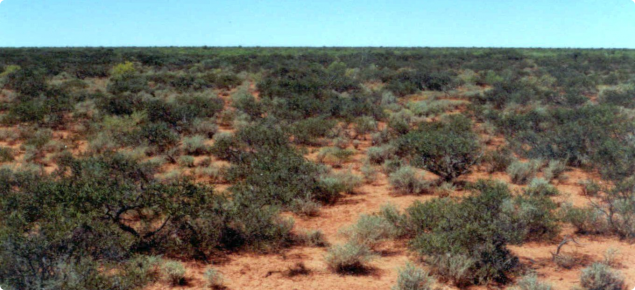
[
  {"x": 406, "y": 180},
  {"x": 413, "y": 278},
  {"x": 349, "y": 258},
  {"x": 369, "y": 230},
  {"x": 531, "y": 282},
  {"x": 174, "y": 271},
  {"x": 541, "y": 187},
  {"x": 601, "y": 277},
  {"x": 521, "y": 172}
]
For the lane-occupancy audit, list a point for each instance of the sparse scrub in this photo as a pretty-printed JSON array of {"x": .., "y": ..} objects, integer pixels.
[
  {"x": 541, "y": 187},
  {"x": 521, "y": 172},
  {"x": 6, "y": 154},
  {"x": 406, "y": 180},
  {"x": 368, "y": 172},
  {"x": 369, "y": 230},
  {"x": 195, "y": 145},
  {"x": 314, "y": 238},
  {"x": 413, "y": 278},
  {"x": 554, "y": 170},
  {"x": 499, "y": 160},
  {"x": 601, "y": 277},
  {"x": 349, "y": 258},
  {"x": 378, "y": 155},
  {"x": 448, "y": 149},
  {"x": 213, "y": 279},
  {"x": 531, "y": 282},
  {"x": 174, "y": 272}
]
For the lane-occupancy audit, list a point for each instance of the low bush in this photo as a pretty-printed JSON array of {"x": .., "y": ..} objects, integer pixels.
[
  {"x": 314, "y": 238},
  {"x": 174, "y": 272},
  {"x": 213, "y": 279},
  {"x": 348, "y": 181},
  {"x": 349, "y": 258},
  {"x": 159, "y": 135},
  {"x": 590, "y": 187},
  {"x": 554, "y": 170},
  {"x": 369, "y": 230},
  {"x": 378, "y": 155},
  {"x": 309, "y": 130},
  {"x": 586, "y": 220},
  {"x": 335, "y": 155},
  {"x": 522, "y": 172},
  {"x": 459, "y": 269},
  {"x": 413, "y": 278},
  {"x": 531, "y": 282},
  {"x": 499, "y": 160},
  {"x": 476, "y": 225},
  {"x": 364, "y": 125},
  {"x": 305, "y": 206},
  {"x": 406, "y": 180},
  {"x": 195, "y": 145},
  {"x": 448, "y": 149},
  {"x": 6, "y": 154},
  {"x": 540, "y": 187},
  {"x": 225, "y": 147},
  {"x": 186, "y": 161},
  {"x": 369, "y": 172},
  {"x": 203, "y": 127},
  {"x": 601, "y": 277},
  {"x": 527, "y": 218}
]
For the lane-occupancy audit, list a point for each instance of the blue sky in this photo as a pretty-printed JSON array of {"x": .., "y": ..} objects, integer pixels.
[{"x": 465, "y": 23}]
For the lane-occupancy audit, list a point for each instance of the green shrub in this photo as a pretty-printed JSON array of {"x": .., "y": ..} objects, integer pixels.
[
  {"x": 445, "y": 189},
  {"x": 531, "y": 282},
  {"x": 195, "y": 145},
  {"x": 364, "y": 125},
  {"x": 601, "y": 277},
  {"x": 335, "y": 155},
  {"x": 378, "y": 155},
  {"x": 225, "y": 147},
  {"x": 476, "y": 227},
  {"x": 369, "y": 230},
  {"x": 392, "y": 165},
  {"x": 521, "y": 172},
  {"x": 529, "y": 218},
  {"x": 307, "y": 131},
  {"x": 499, "y": 160},
  {"x": 618, "y": 97},
  {"x": 349, "y": 258},
  {"x": 400, "y": 122},
  {"x": 305, "y": 206},
  {"x": 348, "y": 181},
  {"x": 591, "y": 188},
  {"x": 406, "y": 180},
  {"x": 186, "y": 161},
  {"x": 174, "y": 272},
  {"x": 6, "y": 154},
  {"x": 459, "y": 269},
  {"x": 215, "y": 172},
  {"x": 554, "y": 170},
  {"x": 205, "y": 128},
  {"x": 213, "y": 279},
  {"x": 397, "y": 221},
  {"x": 314, "y": 238},
  {"x": 413, "y": 278},
  {"x": 368, "y": 172},
  {"x": 159, "y": 135},
  {"x": 446, "y": 149},
  {"x": 540, "y": 187},
  {"x": 586, "y": 220}
]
